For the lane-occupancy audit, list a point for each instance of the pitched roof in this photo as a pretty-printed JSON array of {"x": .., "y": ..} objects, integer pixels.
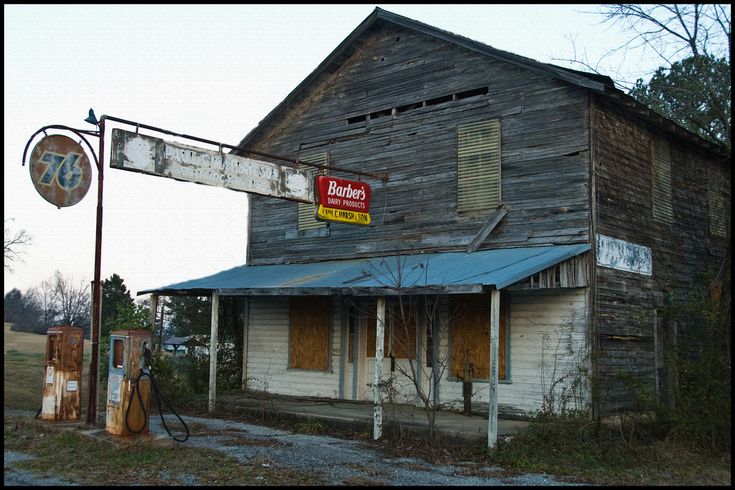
[{"x": 379, "y": 18}]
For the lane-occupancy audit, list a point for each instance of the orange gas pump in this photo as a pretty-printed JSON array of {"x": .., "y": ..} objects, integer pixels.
[
  {"x": 128, "y": 393},
  {"x": 63, "y": 379}
]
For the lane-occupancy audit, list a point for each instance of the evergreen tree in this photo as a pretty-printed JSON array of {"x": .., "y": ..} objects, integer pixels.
[
  {"x": 695, "y": 93},
  {"x": 190, "y": 315},
  {"x": 116, "y": 301}
]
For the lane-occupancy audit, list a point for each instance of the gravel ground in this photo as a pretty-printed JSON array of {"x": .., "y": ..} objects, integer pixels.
[{"x": 334, "y": 461}]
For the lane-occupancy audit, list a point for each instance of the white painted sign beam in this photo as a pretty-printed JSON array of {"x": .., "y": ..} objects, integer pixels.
[{"x": 154, "y": 156}]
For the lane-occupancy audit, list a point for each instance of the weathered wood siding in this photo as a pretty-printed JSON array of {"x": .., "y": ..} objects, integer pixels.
[
  {"x": 682, "y": 252},
  {"x": 544, "y": 141}
]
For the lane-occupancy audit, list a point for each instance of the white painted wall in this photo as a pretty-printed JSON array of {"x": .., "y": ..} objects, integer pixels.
[
  {"x": 548, "y": 342},
  {"x": 268, "y": 353}
]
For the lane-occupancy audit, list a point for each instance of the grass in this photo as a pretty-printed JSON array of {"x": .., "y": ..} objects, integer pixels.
[
  {"x": 578, "y": 449},
  {"x": 569, "y": 448},
  {"x": 58, "y": 454},
  {"x": 24, "y": 362}
]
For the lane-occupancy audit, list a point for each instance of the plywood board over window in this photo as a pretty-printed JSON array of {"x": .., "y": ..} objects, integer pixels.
[
  {"x": 403, "y": 330},
  {"x": 470, "y": 336},
  {"x": 399, "y": 340},
  {"x": 309, "y": 332}
]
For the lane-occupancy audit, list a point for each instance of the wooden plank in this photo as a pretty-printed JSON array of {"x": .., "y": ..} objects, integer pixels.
[
  {"x": 488, "y": 228},
  {"x": 492, "y": 427},
  {"x": 154, "y": 156},
  {"x": 213, "y": 338},
  {"x": 245, "y": 345},
  {"x": 377, "y": 380}
]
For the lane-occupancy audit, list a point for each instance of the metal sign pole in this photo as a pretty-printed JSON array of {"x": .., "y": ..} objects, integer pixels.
[{"x": 97, "y": 287}]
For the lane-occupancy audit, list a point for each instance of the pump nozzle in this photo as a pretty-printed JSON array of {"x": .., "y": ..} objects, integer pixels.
[{"x": 147, "y": 356}]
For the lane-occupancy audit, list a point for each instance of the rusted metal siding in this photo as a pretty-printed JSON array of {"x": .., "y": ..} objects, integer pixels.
[{"x": 62, "y": 385}]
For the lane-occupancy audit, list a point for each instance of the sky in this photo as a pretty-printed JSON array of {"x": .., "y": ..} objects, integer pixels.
[{"x": 211, "y": 71}]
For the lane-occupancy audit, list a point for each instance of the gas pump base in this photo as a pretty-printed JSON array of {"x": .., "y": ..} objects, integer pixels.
[{"x": 138, "y": 441}]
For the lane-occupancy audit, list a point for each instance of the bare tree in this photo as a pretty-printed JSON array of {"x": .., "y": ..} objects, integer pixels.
[
  {"x": 47, "y": 298},
  {"x": 73, "y": 303},
  {"x": 674, "y": 31},
  {"x": 13, "y": 244},
  {"x": 415, "y": 311},
  {"x": 692, "y": 85}
]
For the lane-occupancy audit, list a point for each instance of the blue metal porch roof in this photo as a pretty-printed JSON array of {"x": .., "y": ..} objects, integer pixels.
[{"x": 442, "y": 272}]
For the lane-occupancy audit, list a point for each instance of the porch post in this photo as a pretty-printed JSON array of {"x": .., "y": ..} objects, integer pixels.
[
  {"x": 213, "y": 352},
  {"x": 154, "y": 309},
  {"x": 492, "y": 424},
  {"x": 377, "y": 405},
  {"x": 245, "y": 332}
]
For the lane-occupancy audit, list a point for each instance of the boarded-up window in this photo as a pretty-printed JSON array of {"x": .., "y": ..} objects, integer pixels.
[
  {"x": 306, "y": 212},
  {"x": 478, "y": 166},
  {"x": 309, "y": 332},
  {"x": 471, "y": 337},
  {"x": 399, "y": 335},
  {"x": 661, "y": 201},
  {"x": 718, "y": 215},
  {"x": 403, "y": 331}
]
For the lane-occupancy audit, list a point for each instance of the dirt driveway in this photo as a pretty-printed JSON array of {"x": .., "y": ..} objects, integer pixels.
[{"x": 331, "y": 460}]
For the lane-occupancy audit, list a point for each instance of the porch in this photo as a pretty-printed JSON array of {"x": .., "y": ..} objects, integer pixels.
[{"x": 358, "y": 416}]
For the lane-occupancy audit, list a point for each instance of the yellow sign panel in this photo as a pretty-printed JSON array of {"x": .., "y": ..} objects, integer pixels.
[{"x": 332, "y": 214}]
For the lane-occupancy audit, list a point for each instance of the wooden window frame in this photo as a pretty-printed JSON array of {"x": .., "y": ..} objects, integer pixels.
[
  {"x": 717, "y": 211},
  {"x": 479, "y": 165},
  {"x": 662, "y": 198}
]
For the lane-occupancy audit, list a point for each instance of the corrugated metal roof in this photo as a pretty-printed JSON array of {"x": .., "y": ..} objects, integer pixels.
[{"x": 446, "y": 272}]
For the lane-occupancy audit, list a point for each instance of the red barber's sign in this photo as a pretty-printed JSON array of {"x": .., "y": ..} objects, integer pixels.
[{"x": 342, "y": 200}]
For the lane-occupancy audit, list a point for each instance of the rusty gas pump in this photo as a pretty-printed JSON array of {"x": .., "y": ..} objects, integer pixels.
[
  {"x": 128, "y": 392},
  {"x": 63, "y": 374}
]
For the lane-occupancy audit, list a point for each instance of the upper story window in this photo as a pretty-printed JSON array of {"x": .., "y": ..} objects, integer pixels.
[
  {"x": 661, "y": 201},
  {"x": 478, "y": 166},
  {"x": 305, "y": 212},
  {"x": 718, "y": 215}
]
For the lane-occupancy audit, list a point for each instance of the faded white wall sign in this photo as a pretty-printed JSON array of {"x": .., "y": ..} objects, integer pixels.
[{"x": 624, "y": 256}]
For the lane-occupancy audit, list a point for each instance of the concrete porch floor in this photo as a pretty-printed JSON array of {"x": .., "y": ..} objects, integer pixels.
[{"x": 358, "y": 415}]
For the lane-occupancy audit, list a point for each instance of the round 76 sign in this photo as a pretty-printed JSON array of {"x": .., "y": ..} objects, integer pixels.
[{"x": 60, "y": 170}]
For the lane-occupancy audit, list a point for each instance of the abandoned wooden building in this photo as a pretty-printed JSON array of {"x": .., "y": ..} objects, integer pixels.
[{"x": 525, "y": 205}]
